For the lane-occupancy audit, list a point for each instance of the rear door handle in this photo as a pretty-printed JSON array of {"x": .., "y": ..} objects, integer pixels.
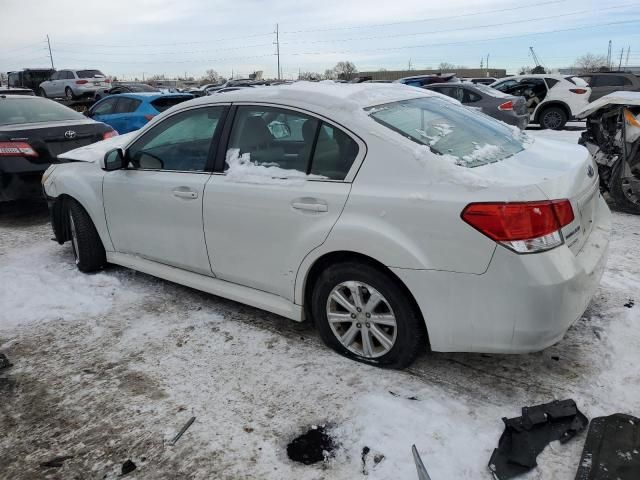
[
  {"x": 182, "y": 193},
  {"x": 310, "y": 207}
]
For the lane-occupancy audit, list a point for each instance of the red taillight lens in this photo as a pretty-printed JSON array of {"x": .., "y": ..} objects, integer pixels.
[
  {"x": 81, "y": 82},
  {"x": 109, "y": 134},
  {"x": 506, "y": 106},
  {"x": 106, "y": 80},
  {"x": 525, "y": 227},
  {"x": 20, "y": 149},
  {"x": 578, "y": 90},
  {"x": 149, "y": 117}
]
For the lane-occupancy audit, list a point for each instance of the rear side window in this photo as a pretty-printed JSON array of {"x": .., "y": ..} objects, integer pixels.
[
  {"x": 34, "y": 110},
  {"x": 334, "y": 153},
  {"x": 608, "y": 81},
  {"x": 469, "y": 97},
  {"x": 164, "y": 103},
  {"x": 551, "y": 82},
  {"x": 89, "y": 73},
  {"x": 127, "y": 105}
]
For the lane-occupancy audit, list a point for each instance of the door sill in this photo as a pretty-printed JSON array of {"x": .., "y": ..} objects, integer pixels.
[{"x": 232, "y": 291}]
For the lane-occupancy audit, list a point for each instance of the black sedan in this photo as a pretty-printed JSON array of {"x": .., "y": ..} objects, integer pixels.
[
  {"x": 33, "y": 132},
  {"x": 129, "y": 87},
  {"x": 492, "y": 102}
]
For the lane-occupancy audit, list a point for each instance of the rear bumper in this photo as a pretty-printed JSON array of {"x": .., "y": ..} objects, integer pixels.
[
  {"x": 522, "y": 303},
  {"x": 20, "y": 178},
  {"x": 512, "y": 118}
]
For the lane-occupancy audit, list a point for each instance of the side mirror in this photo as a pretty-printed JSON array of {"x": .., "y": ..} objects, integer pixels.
[{"x": 114, "y": 160}]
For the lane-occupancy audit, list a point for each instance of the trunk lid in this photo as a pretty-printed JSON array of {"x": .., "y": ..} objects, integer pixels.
[{"x": 558, "y": 170}]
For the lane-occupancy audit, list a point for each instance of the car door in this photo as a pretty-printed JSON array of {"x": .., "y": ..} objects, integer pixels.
[
  {"x": 154, "y": 207},
  {"x": 50, "y": 85},
  {"x": 122, "y": 118},
  {"x": 262, "y": 213}
]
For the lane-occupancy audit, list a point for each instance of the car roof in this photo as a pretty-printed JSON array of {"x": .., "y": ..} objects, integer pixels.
[
  {"x": 557, "y": 76},
  {"x": 334, "y": 100},
  {"x": 149, "y": 95}
]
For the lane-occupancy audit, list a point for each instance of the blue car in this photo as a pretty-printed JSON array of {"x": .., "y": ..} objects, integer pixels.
[{"x": 127, "y": 112}]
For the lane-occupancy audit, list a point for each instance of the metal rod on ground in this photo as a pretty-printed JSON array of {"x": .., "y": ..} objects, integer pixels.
[
  {"x": 422, "y": 471},
  {"x": 182, "y": 430}
]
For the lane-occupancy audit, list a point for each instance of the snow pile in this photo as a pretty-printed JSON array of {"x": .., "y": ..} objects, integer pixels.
[
  {"x": 442, "y": 129},
  {"x": 486, "y": 154},
  {"x": 243, "y": 170}
]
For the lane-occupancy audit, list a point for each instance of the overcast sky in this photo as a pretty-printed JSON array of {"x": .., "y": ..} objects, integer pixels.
[{"x": 132, "y": 38}]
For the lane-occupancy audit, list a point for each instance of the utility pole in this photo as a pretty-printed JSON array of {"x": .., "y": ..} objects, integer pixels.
[
  {"x": 481, "y": 63},
  {"x": 609, "y": 56},
  {"x": 409, "y": 64},
  {"x": 50, "y": 55},
  {"x": 626, "y": 63},
  {"x": 620, "y": 62},
  {"x": 487, "y": 62},
  {"x": 278, "y": 48}
]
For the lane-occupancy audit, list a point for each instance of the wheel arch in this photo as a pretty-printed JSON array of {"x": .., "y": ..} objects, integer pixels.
[
  {"x": 553, "y": 103},
  {"x": 343, "y": 256}
]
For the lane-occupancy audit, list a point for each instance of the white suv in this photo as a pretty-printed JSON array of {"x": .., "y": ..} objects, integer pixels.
[
  {"x": 552, "y": 99},
  {"x": 74, "y": 84}
]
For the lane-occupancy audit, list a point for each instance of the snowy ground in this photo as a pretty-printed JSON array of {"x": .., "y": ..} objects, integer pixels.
[{"x": 109, "y": 366}]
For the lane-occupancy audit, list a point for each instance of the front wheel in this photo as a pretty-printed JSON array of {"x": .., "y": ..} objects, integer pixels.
[
  {"x": 87, "y": 247},
  {"x": 363, "y": 313},
  {"x": 68, "y": 93},
  {"x": 625, "y": 188},
  {"x": 553, "y": 118}
]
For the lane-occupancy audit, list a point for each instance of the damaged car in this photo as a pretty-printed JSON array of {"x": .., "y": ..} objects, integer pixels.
[
  {"x": 393, "y": 218},
  {"x": 613, "y": 139}
]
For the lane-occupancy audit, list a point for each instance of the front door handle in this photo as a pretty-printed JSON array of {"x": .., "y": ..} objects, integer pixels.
[
  {"x": 310, "y": 207},
  {"x": 185, "y": 193}
]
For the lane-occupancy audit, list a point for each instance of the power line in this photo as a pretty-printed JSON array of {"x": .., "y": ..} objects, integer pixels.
[
  {"x": 512, "y": 22},
  {"x": 168, "y": 44},
  {"x": 164, "y": 53},
  {"x": 375, "y": 25}
]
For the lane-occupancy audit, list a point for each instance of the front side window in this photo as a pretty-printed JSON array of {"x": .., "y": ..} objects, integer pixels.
[
  {"x": 127, "y": 105},
  {"x": 449, "y": 129},
  {"x": 181, "y": 142}
]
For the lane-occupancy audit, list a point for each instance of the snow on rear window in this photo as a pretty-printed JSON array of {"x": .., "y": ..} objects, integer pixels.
[{"x": 450, "y": 130}]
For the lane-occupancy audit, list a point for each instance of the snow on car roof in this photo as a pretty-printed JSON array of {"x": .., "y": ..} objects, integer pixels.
[
  {"x": 334, "y": 99},
  {"x": 615, "y": 98}
]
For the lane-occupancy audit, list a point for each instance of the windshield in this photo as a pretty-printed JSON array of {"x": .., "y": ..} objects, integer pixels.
[
  {"x": 89, "y": 73},
  {"x": 34, "y": 110},
  {"x": 449, "y": 129}
]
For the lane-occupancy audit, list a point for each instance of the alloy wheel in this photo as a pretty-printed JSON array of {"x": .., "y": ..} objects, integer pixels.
[
  {"x": 361, "y": 319},
  {"x": 552, "y": 119}
]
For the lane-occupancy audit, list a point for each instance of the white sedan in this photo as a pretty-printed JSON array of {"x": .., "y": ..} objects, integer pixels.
[{"x": 393, "y": 218}]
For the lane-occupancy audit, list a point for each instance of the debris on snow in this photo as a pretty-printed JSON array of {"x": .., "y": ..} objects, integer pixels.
[
  {"x": 56, "y": 462},
  {"x": 370, "y": 462},
  {"x": 128, "y": 467},
  {"x": 630, "y": 303},
  {"x": 182, "y": 430},
  {"x": 4, "y": 362},
  {"x": 407, "y": 398},
  {"x": 525, "y": 437},
  {"x": 612, "y": 449},
  {"x": 311, "y": 447}
]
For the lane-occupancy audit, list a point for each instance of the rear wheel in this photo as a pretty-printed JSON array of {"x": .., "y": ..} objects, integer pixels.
[
  {"x": 68, "y": 93},
  {"x": 87, "y": 247},
  {"x": 553, "y": 118},
  {"x": 625, "y": 188},
  {"x": 363, "y": 313}
]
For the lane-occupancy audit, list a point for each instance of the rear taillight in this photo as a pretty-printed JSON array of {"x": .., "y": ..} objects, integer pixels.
[
  {"x": 578, "y": 90},
  {"x": 506, "y": 106},
  {"x": 109, "y": 134},
  {"x": 81, "y": 82},
  {"x": 149, "y": 117},
  {"x": 106, "y": 80},
  {"x": 524, "y": 227},
  {"x": 20, "y": 149}
]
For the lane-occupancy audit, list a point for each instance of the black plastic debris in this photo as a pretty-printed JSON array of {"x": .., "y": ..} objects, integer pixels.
[
  {"x": 630, "y": 303},
  {"x": 55, "y": 462},
  {"x": 4, "y": 362},
  {"x": 312, "y": 447},
  {"x": 128, "y": 467},
  {"x": 612, "y": 449},
  {"x": 402, "y": 396},
  {"x": 526, "y": 436}
]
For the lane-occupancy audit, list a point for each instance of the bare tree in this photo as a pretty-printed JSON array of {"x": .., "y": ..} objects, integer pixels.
[
  {"x": 446, "y": 66},
  {"x": 312, "y": 76},
  {"x": 345, "y": 70},
  {"x": 211, "y": 76},
  {"x": 590, "y": 63},
  {"x": 524, "y": 70},
  {"x": 329, "y": 74}
]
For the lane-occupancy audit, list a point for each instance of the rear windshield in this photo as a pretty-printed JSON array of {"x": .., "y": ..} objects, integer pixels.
[
  {"x": 449, "y": 129},
  {"x": 490, "y": 91},
  {"x": 89, "y": 73},
  {"x": 165, "y": 103},
  {"x": 142, "y": 88},
  {"x": 34, "y": 110}
]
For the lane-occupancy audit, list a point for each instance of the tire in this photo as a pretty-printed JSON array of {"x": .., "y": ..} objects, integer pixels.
[
  {"x": 404, "y": 341},
  {"x": 553, "y": 118},
  {"x": 68, "y": 93},
  {"x": 43, "y": 93},
  {"x": 87, "y": 247},
  {"x": 626, "y": 200}
]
